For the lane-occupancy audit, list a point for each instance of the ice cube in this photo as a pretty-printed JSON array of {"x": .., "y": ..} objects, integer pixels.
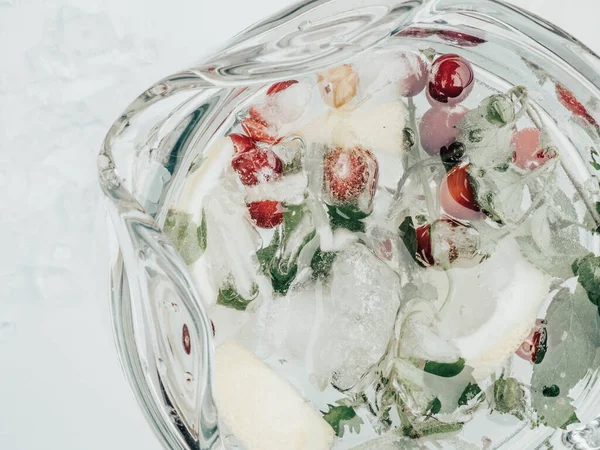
[
  {"x": 289, "y": 189},
  {"x": 339, "y": 331},
  {"x": 232, "y": 241},
  {"x": 360, "y": 313},
  {"x": 420, "y": 339}
]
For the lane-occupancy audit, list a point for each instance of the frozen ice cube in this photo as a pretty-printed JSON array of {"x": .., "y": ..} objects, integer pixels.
[
  {"x": 361, "y": 310},
  {"x": 289, "y": 189}
]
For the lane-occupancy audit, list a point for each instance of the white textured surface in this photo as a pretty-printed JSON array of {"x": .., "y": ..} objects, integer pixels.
[{"x": 68, "y": 68}]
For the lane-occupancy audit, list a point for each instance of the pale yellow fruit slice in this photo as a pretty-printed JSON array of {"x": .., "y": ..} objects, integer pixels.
[{"x": 261, "y": 409}]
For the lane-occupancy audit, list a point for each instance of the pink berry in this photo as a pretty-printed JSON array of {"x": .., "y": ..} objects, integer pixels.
[
  {"x": 257, "y": 166},
  {"x": 415, "y": 79},
  {"x": 241, "y": 142},
  {"x": 266, "y": 213},
  {"x": 439, "y": 127},
  {"x": 451, "y": 80},
  {"x": 457, "y": 196},
  {"x": 528, "y": 154}
]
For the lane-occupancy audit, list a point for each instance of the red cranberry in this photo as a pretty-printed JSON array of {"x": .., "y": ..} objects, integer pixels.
[
  {"x": 241, "y": 142},
  {"x": 256, "y": 166},
  {"x": 535, "y": 346},
  {"x": 349, "y": 173},
  {"x": 457, "y": 195},
  {"x": 266, "y": 213},
  {"x": 424, "y": 254},
  {"x": 451, "y": 80},
  {"x": 258, "y": 128}
]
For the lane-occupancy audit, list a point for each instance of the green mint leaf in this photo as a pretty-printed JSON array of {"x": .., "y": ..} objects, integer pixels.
[
  {"x": 347, "y": 217},
  {"x": 471, "y": 391},
  {"x": 408, "y": 234},
  {"x": 573, "y": 419},
  {"x": 588, "y": 271},
  {"x": 509, "y": 397},
  {"x": 445, "y": 370},
  {"x": 339, "y": 417},
  {"x": 435, "y": 406},
  {"x": 551, "y": 391},
  {"x": 202, "y": 233},
  {"x": 433, "y": 426},
  {"x": 573, "y": 331},
  {"x": 229, "y": 297},
  {"x": 486, "y": 130},
  {"x": 556, "y": 259},
  {"x": 183, "y": 233},
  {"x": 279, "y": 259},
  {"x": 500, "y": 110},
  {"x": 321, "y": 263}
]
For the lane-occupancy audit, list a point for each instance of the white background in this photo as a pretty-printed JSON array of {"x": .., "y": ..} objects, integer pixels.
[{"x": 67, "y": 69}]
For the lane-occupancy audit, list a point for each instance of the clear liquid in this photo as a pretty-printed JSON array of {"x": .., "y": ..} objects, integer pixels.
[{"x": 304, "y": 341}]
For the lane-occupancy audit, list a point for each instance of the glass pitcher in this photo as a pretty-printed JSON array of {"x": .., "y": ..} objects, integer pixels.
[{"x": 163, "y": 333}]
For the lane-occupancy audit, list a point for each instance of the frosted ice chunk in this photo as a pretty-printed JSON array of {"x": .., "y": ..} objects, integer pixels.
[
  {"x": 289, "y": 189},
  {"x": 360, "y": 314}
]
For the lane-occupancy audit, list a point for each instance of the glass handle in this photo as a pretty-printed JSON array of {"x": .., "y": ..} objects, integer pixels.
[{"x": 161, "y": 328}]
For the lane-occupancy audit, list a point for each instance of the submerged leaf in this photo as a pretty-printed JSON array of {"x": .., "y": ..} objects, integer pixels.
[
  {"x": 231, "y": 298},
  {"x": 573, "y": 335},
  {"x": 445, "y": 370},
  {"x": 588, "y": 271},
  {"x": 339, "y": 417},
  {"x": 509, "y": 397},
  {"x": 189, "y": 239}
]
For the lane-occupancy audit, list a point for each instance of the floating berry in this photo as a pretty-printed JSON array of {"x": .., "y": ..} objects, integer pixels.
[
  {"x": 451, "y": 80},
  {"x": 455, "y": 244},
  {"x": 241, "y": 142},
  {"x": 266, "y": 213},
  {"x": 415, "y": 74},
  {"x": 424, "y": 254},
  {"x": 528, "y": 155},
  {"x": 338, "y": 85},
  {"x": 258, "y": 128},
  {"x": 457, "y": 196},
  {"x": 535, "y": 346},
  {"x": 350, "y": 176},
  {"x": 257, "y": 166},
  {"x": 439, "y": 127}
]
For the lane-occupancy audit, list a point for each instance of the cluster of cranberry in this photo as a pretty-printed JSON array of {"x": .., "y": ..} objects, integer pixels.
[{"x": 451, "y": 80}]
